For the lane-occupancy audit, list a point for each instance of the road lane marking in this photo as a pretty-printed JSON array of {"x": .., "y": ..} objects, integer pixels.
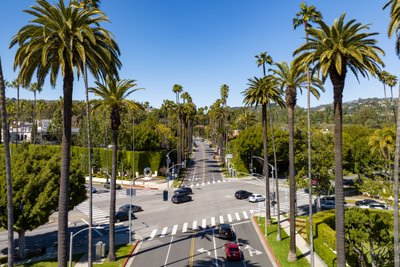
[
  {"x": 174, "y": 229},
  {"x": 229, "y": 218},
  {"x": 223, "y": 181},
  {"x": 191, "y": 252},
  {"x": 164, "y": 231},
  {"x": 219, "y": 181},
  {"x": 221, "y": 219},
  {"x": 215, "y": 249},
  {"x": 184, "y": 229},
  {"x": 245, "y": 215},
  {"x": 213, "y": 177},
  {"x": 212, "y": 221},
  {"x": 202, "y": 183},
  {"x": 237, "y": 216},
  {"x": 197, "y": 184},
  {"x": 153, "y": 234},
  {"x": 213, "y": 182},
  {"x": 208, "y": 182},
  {"x": 204, "y": 224},
  {"x": 169, "y": 249},
  {"x": 194, "y": 226}
]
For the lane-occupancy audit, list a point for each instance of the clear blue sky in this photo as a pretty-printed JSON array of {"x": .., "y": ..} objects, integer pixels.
[{"x": 202, "y": 44}]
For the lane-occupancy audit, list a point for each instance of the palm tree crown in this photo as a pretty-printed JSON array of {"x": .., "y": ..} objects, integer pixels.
[{"x": 306, "y": 15}]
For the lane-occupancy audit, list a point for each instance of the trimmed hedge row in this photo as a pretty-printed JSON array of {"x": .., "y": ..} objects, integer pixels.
[{"x": 324, "y": 236}]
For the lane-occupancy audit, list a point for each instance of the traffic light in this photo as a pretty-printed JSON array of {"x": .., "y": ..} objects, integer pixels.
[{"x": 165, "y": 195}]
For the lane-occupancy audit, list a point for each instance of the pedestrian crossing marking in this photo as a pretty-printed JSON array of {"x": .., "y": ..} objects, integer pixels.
[
  {"x": 245, "y": 215},
  {"x": 212, "y": 221},
  {"x": 221, "y": 219},
  {"x": 153, "y": 234},
  {"x": 194, "y": 226},
  {"x": 174, "y": 229},
  {"x": 229, "y": 218},
  {"x": 203, "y": 223},
  {"x": 184, "y": 229},
  {"x": 164, "y": 231},
  {"x": 237, "y": 216}
]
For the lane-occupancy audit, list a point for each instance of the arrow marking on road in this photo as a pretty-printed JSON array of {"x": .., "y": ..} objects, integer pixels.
[
  {"x": 202, "y": 250},
  {"x": 252, "y": 251}
]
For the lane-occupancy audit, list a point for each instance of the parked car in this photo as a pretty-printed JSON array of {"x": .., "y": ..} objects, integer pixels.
[
  {"x": 379, "y": 206},
  {"x": 180, "y": 198},
  {"x": 121, "y": 216},
  {"x": 225, "y": 231},
  {"x": 134, "y": 208},
  {"x": 181, "y": 191},
  {"x": 242, "y": 194},
  {"x": 187, "y": 189},
  {"x": 94, "y": 190},
  {"x": 256, "y": 198},
  {"x": 232, "y": 251},
  {"x": 108, "y": 186},
  {"x": 327, "y": 202},
  {"x": 366, "y": 202}
]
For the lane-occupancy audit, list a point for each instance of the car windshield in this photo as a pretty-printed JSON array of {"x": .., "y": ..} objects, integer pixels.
[{"x": 233, "y": 250}]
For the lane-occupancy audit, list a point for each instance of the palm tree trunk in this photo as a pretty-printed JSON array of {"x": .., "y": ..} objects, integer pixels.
[
  {"x": 339, "y": 195},
  {"x": 6, "y": 135},
  {"x": 21, "y": 244},
  {"x": 16, "y": 141},
  {"x": 34, "y": 118},
  {"x": 393, "y": 105},
  {"x": 89, "y": 144},
  {"x": 278, "y": 235},
  {"x": 292, "y": 186},
  {"x": 179, "y": 149},
  {"x": 111, "y": 252},
  {"x": 266, "y": 167},
  {"x": 396, "y": 188},
  {"x": 64, "y": 177}
]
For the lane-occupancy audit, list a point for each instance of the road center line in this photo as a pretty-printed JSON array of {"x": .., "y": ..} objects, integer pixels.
[
  {"x": 191, "y": 252},
  {"x": 169, "y": 249}
]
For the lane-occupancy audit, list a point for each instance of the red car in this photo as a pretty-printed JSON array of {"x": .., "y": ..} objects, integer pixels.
[{"x": 232, "y": 251}]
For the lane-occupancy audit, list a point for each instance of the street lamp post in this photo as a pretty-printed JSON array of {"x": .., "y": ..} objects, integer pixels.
[
  {"x": 168, "y": 162},
  {"x": 72, "y": 238}
]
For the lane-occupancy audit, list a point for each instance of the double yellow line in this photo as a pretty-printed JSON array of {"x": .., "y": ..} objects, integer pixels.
[{"x": 191, "y": 256}]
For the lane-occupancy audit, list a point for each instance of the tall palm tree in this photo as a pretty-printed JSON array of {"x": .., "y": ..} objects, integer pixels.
[
  {"x": 262, "y": 60},
  {"x": 263, "y": 91},
  {"x": 305, "y": 17},
  {"x": 64, "y": 38},
  {"x": 35, "y": 88},
  {"x": 224, "y": 92},
  {"x": 177, "y": 89},
  {"x": 10, "y": 214},
  {"x": 16, "y": 85},
  {"x": 348, "y": 47},
  {"x": 391, "y": 82},
  {"x": 292, "y": 78},
  {"x": 113, "y": 94}
]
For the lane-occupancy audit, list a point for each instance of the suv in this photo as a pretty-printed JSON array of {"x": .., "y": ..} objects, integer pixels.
[
  {"x": 179, "y": 198},
  {"x": 242, "y": 194},
  {"x": 181, "y": 191},
  {"x": 134, "y": 208},
  {"x": 225, "y": 231},
  {"x": 188, "y": 190}
]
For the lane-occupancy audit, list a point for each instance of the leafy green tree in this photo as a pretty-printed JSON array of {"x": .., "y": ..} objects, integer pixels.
[
  {"x": 36, "y": 182},
  {"x": 368, "y": 235},
  {"x": 114, "y": 94},
  {"x": 63, "y": 37},
  {"x": 351, "y": 48}
]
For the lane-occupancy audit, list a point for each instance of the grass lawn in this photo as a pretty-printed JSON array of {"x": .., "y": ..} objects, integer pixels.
[
  {"x": 53, "y": 262},
  {"x": 122, "y": 251},
  {"x": 281, "y": 248}
]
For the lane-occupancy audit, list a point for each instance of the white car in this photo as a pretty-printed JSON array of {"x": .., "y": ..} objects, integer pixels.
[
  {"x": 256, "y": 198},
  {"x": 378, "y": 206}
]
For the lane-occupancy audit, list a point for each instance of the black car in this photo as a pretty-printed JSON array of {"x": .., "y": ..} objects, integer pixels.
[
  {"x": 242, "y": 194},
  {"x": 366, "y": 202},
  {"x": 181, "y": 191},
  {"x": 187, "y": 189},
  {"x": 225, "y": 231},
  {"x": 180, "y": 198},
  {"x": 108, "y": 186},
  {"x": 121, "y": 216},
  {"x": 134, "y": 208}
]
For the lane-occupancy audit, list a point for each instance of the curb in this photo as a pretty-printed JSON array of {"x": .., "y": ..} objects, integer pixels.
[
  {"x": 130, "y": 253},
  {"x": 269, "y": 251}
]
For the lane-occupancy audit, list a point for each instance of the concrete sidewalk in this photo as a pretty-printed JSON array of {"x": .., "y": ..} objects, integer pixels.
[{"x": 303, "y": 246}]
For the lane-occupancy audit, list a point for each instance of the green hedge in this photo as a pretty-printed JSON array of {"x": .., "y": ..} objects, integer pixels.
[{"x": 324, "y": 236}]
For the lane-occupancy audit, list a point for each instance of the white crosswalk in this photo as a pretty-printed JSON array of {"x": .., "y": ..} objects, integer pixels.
[
  {"x": 207, "y": 183},
  {"x": 99, "y": 215},
  {"x": 199, "y": 224}
]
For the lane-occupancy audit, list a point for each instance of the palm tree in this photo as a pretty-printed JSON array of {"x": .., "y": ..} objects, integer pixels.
[
  {"x": 263, "y": 59},
  {"x": 224, "y": 91},
  {"x": 86, "y": 3},
  {"x": 348, "y": 47},
  {"x": 34, "y": 87},
  {"x": 63, "y": 38},
  {"x": 383, "y": 141},
  {"x": 263, "y": 91},
  {"x": 392, "y": 81},
  {"x": 177, "y": 89},
  {"x": 16, "y": 85},
  {"x": 113, "y": 94},
  {"x": 305, "y": 16},
  {"x": 292, "y": 78},
  {"x": 246, "y": 118},
  {"x": 10, "y": 214}
]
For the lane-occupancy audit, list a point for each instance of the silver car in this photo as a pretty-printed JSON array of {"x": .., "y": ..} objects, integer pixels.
[{"x": 256, "y": 198}]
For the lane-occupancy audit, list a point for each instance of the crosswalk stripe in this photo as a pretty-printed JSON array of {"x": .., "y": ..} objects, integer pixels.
[
  {"x": 245, "y": 215},
  {"x": 184, "y": 229},
  {"x": 223, "y": 181},
  {"x": 212, "y": 221},
  {"x": 237, "y": 216},
  {"x": 197, "y": 184},
  {"x": 194, "y": 226},
  {"x": 153, "y": 234},
  {"x": 251, "y": 211},
  {"x": 208, "y": 182},
  {"x": 221, "y": 219},
  {"x": 202, "y": 183},
  {"x": 164, "y": 231},
  {"x": 213, "y": 182},
  {"x": 229, "y": 218},
  {"x": 219, "y": 181},
  {"x": 174, "y": 229},
  {"x": 203, "y": 223}
]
